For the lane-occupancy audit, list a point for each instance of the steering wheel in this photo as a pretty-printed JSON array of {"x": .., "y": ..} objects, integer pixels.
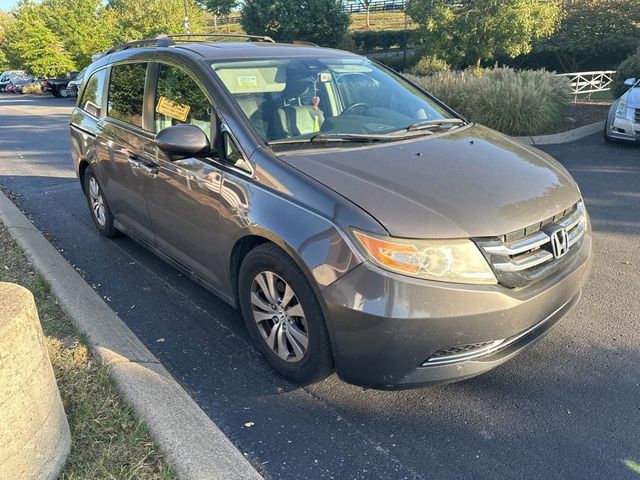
[{"x": 349, "y": 109}]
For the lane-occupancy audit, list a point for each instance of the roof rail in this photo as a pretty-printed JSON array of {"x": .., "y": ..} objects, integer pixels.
[
  {"x": 305, "y": 42},
  {"x": 160, "y": 41},
  {"x": 169, "y": 40},
  {"x": 184, "y": 36}
]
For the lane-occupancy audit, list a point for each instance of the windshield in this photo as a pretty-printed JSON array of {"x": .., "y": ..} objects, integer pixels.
[{"x": 302, "y": 99}]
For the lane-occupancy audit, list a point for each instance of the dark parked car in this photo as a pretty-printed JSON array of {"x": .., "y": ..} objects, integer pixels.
[
  {"x": 58, "y": 86},
  {"x": 74, "y": 85},
  {"x": 354, "y": 219}
]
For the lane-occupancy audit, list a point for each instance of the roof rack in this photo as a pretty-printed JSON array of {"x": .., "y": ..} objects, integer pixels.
[
  {"x": 169, "y": 40},
  {"x": 158, "y": 42},
  {"x": 305, "y": 42},
  {"x": 183, "y": 36}
]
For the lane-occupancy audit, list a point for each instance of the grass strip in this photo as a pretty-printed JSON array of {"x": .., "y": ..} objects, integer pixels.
[{"x": 107, "y": 441}]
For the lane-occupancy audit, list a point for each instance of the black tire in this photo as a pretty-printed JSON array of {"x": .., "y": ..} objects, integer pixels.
[
  {"x": 105, "y": 226},
  {"x": 607, "y": 138},
  {"x": 317, "y": 361}
]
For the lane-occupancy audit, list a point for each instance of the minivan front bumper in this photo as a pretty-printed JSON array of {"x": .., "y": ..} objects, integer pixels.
[{"x": 391, "y": 331}]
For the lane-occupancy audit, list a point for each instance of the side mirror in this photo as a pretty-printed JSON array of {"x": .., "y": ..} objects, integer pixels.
[
  {"x": 182, "y": 141},
  {"x": 630, "y": 82}
]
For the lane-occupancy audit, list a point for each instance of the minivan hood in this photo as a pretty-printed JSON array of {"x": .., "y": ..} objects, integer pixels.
[{"x": 473, "y": 182}]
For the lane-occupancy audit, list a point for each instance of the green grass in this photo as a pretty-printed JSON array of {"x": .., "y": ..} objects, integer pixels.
[
  {"x": 633, "y": 466},
  {"x": 108, "y": 442},
  {"x": 598, "y": 96}
]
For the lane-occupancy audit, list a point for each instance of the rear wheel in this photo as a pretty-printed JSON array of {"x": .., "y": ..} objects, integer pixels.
[
  {"x": 283, "y": 317},
  {"x": 100, "y": 211}
]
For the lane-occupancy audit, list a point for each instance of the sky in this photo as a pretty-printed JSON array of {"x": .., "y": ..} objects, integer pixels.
[{"x": 7, "y": 4}]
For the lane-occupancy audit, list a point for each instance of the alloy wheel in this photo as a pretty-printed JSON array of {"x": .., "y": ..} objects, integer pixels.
[
  {"x": 97, "y": 202},
  {"x": 279, "y": 316}
]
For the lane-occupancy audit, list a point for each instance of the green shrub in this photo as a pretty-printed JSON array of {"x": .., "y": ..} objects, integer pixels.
[
  {"x": 630, "y": 68},
  {"x": 370, "y": 40},
  {"x": 398, "y": 63},
  {"x": 528, "y": 102},
  {"x": 429, "y": 65}
]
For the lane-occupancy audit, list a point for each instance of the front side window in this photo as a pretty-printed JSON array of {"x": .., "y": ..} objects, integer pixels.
[
  {"x": 179, "y": 100},
  {"x": 126, "y": 92},
  {"x": 304, "y": 98},
  {"x": 91, "y": 100}
]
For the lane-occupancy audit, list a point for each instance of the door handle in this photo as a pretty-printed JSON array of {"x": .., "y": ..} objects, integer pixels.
[{"x": 148, "y": 169}]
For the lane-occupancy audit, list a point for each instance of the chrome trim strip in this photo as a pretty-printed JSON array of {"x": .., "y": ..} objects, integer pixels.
[
  {"x": 524, "y": 263},
  {"x": 501, "y": 344},
  {"x": 463, "y": 356},
  {"x": 520, "y": 246}
]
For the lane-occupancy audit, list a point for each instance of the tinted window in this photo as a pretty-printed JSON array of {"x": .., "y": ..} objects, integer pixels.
[
  {"x": 180, "y": 100},
  {"x": 91, "y": 100},
  {"x": 126, "y": 92}
]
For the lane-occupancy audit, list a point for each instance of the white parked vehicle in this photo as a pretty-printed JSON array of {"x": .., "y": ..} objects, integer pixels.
[
  {"x": 623, "y": 122},
  {"x": 10, "y": 76}
]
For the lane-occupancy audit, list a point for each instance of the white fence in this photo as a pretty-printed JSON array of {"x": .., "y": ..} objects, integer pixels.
[{"x": 588, "y": 83}]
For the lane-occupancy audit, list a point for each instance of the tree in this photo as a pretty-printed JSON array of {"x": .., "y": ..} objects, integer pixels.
[
  {"x": 85, "y": 28},
  {"x": 38, "y": 49},
  {"x": 6, "y": 21},
  {"x": 595, "y": 29},
  {"x": 136, "y": 19},
  {"x": 219, "y": 8},
  {"x": 367, "y": 7},
  {"x": 470, "y": 31},
  {"x": 319, "y": 21}
]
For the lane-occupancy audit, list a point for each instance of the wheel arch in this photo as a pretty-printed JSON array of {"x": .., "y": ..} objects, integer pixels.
[
  {"x": 252, "y": 239},
  {"x": 82, "y": 168}
]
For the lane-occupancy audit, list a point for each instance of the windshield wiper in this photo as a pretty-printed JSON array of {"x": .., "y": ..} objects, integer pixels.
[
  {"x": 335, "y": 137},
  {"x": 425, "y": 124},
  {"x": 349, "y": 137}
]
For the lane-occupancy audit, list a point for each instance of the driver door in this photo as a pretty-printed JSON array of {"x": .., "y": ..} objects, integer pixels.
[{"x": 184, "y": 197}]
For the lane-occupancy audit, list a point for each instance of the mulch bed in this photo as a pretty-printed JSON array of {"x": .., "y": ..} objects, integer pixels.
[{"x": 585, "y": 113}]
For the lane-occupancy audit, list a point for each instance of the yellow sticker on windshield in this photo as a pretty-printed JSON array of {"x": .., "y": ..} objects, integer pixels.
[
  {"x": 173, "y": 109},
  {"x": 247, "y": 81}
]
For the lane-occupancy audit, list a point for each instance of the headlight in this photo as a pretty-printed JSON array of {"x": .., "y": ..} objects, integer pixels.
[
  {"x": 457, "y": 261},
  {"x": 621, "y": 110}
]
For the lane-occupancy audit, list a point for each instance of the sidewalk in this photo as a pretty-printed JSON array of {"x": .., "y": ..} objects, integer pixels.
[{"x": 195, "y": 446}]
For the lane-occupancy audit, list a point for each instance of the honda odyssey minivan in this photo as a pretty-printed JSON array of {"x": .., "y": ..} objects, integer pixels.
[{"x": 358, "y": 223}]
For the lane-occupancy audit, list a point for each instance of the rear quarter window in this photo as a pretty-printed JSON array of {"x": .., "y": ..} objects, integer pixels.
[{"x": 91, "y": 101}]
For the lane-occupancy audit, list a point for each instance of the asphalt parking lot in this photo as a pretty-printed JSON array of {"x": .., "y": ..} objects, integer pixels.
[{"x": 567, "y": 408}]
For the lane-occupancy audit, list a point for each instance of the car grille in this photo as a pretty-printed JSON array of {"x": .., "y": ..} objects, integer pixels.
[
  {"x": 637, "y": 116},
  {"x": 527, "y": 255}
]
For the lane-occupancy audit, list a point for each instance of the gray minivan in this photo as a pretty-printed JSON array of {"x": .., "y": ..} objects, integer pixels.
[{"x": 358, "y": 223}]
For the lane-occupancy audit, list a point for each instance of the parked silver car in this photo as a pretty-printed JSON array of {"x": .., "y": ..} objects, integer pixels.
[{"x": 623, "y": 122}]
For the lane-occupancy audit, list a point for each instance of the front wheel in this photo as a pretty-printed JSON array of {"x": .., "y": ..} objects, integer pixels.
[{"x": 283, "y": 316}]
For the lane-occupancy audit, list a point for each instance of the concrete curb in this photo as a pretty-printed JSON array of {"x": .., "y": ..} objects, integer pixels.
[
  {"x": 564, "y": 137},
  {"x": 195, "y": 446}
]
